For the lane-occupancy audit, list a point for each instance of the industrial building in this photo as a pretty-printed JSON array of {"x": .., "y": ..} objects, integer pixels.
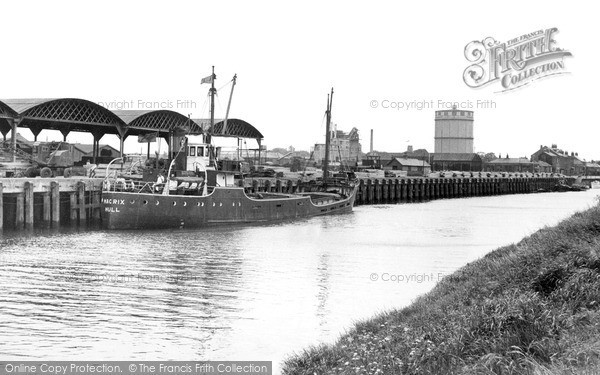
[
  {"x": 457, "y": 162},
  {"x": 413, "y": 167},
  {"x": 510, "y": 165},
  {"x": 343, "y": 147},
  {"x": 379, "y": 159}
]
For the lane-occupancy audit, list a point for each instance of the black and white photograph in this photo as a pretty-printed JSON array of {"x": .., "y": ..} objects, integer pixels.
[{"x": 280, "y": 188}]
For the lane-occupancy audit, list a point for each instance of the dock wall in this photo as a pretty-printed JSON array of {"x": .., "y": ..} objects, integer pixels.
[
  {"x": 48, "y": 201},
  {"x": 75, "y": 201},
  {"x": 409, "y": 190}
]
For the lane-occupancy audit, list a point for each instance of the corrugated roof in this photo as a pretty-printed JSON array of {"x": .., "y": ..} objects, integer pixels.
[{"x": 410, "y": 162}]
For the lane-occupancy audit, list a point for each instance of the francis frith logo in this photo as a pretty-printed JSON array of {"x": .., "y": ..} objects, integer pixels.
[{"x": 514, "y": 63}]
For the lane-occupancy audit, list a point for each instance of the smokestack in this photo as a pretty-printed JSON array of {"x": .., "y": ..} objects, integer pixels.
[{"x": 371, "y": 148}]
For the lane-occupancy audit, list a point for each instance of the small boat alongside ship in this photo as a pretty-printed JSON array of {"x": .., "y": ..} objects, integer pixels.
[{"x": 202, "y": 194}]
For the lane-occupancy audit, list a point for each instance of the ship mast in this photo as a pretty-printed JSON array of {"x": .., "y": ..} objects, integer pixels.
[
  {"x": 212, "y": 156},
  {"x": 327, "y": 137},
  {"x": 212, "y": 98},
  {"x": 224, "y": 130}
]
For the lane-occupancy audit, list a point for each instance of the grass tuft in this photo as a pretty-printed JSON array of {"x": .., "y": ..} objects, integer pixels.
[{"x": 529, "y": 308}]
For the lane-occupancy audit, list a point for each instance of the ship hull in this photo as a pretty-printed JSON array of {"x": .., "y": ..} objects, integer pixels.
[{"x": 127, "y": 210}]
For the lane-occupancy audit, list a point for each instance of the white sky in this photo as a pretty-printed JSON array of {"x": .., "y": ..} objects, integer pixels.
[{"x": 288, "y": 55}]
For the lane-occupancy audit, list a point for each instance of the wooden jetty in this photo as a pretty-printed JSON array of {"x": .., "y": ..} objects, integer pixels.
[
  {"x": 408, "y": 190},
  {"x": 51, "y": 201},
  {"x": 55, "y": 201}
]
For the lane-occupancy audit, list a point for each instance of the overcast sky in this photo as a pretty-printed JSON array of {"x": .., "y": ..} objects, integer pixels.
[{"x": 288, "y": 55}]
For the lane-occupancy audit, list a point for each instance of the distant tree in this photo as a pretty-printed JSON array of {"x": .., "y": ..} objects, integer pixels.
[{"x": 487, "y": 157}]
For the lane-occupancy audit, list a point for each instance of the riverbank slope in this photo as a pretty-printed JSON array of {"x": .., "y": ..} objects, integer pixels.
[{"x": 528, "y": 308}]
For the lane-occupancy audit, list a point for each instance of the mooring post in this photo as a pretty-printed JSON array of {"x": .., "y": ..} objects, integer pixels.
[
  {"x": 28, "y": 189},
  {"x": 384, "y": 188},
  {"x": 431, "y": 189},
  {"x": 82, "y": 205},
  {"x": 96, "y": 205},
  {"x": 20, "y": 212},
  {"x": 370, "y": 191},
  {"x": 73, "y": 207},
  {"x": 409, "y": 189},
  {"x": 392, "y": 190},
  {"x": 55, "y": 198},
  {"x": 46, "y": 207},
  {"x": 1, "y": 206}
]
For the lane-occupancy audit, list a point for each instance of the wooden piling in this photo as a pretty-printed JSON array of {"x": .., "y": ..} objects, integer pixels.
[
  {"x": 46, "y": 208},
  {"x": 432, "y": 189},
  {"x": 1, "y": 206},
  {"x": 377, "y": 191},
  {"x": 28, "y": 198},
  {"x": 55, "y": 201},
  {"x": 96, "y": 212},
  {"x": 20, "y": 211},
  {"x": 73, "y": 207},
  {"x": 363, "y": 191},
  {"x": 82, "y": 205},
  {"x": 392, "y": 190},
  {"x": 384, "y": 191}
]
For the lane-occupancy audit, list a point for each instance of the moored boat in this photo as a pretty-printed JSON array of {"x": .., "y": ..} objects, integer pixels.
[{"x": 204, "y": 195}]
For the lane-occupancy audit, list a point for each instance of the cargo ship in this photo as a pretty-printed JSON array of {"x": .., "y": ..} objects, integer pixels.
[{"x": 201, "y": 194}]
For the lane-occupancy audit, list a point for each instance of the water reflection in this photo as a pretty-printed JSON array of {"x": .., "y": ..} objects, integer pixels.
[{"x": 254, "y": 293}]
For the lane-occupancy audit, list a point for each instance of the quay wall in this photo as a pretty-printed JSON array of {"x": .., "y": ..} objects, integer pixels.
[
  {"x": 55, "y": 201},
  {"x": 48, "y": 201}
]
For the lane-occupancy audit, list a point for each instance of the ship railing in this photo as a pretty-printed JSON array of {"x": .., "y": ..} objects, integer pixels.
[
  {"x": 123, "y": 185},
  {"x": 138, "y": 187}
]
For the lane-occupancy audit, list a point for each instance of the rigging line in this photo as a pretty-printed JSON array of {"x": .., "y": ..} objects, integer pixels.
[
  {"x": 204, "y": 109},
  {"x": 225, "y": 85}
]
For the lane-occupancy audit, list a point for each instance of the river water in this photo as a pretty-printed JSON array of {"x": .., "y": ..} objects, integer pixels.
[{"x": 243, "y": 293}]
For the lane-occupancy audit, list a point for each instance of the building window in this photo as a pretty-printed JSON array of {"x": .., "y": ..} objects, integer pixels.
[{"x": 192, "y": 151}]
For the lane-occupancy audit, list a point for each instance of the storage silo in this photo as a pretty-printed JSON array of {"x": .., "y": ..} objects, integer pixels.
[{"x": 454, "y": 131}]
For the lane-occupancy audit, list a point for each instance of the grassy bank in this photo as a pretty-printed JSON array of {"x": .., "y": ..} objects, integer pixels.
[{"x": 529, "y": 308}]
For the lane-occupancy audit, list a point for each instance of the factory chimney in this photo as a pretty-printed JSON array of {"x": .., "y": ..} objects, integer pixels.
[{"x": 371, "y": 148}]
